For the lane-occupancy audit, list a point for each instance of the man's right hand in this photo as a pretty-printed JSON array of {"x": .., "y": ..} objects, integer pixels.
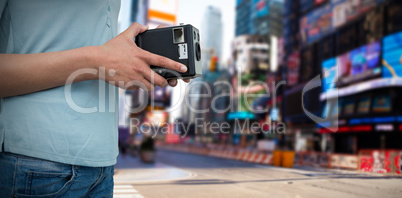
[{"x": 131, "y": 63}]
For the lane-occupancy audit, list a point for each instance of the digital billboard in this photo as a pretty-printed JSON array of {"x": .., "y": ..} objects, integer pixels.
[
  {"x": 162, "y": 12},
  {"x": 161, "y": 97},
  {"x": 346, "y": 10},
  {"x": 306, "y": 5},
  {"x": 156, "y": 118},
  {"x": 316, "y": 24},
  {"x": 392, "y": 56},
  {"x": 318, "y": 2},
  {"x": 345, "y": 65},
  {"x": 326, "y": 110},
  {"x": 330, "y": 74},
  {"x": 364, "y": 105},
  {"x": 353, "y": 66},
  {"x": 381, "y": 103},
  {"x": 339, "y": 13},
  {"x": 261, "y": 8},
  {"x": 349, "y": 107},
  {"x": 323, "y": 20},
  {"x": 365, "y": 58},
  {"x": 293, "y": 68},
  {"x": 336, "y": 108}
]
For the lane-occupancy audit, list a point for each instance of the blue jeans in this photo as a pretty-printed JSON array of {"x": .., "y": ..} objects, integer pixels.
[{"x": 22, "y": 176}]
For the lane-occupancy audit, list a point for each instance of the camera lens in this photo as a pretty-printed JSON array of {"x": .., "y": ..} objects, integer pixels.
[{"x": 197, "y": 51}]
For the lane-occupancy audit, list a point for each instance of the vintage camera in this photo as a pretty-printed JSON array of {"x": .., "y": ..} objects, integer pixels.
[{"x": 179, "y": 43}]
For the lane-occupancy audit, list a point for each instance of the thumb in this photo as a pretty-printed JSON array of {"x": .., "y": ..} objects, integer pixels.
[{"x": 135, "y": 29}]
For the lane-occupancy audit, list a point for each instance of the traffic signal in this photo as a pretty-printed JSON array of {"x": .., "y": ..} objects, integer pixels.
[{"x": 212, "y": 67}]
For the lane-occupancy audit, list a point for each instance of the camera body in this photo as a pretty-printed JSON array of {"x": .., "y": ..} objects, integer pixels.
[{"x": 179, "y": 43}]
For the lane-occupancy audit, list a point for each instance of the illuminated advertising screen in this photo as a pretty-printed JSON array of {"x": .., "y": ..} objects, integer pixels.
[
  {"x": 336, "y": 108},
  {"x": 274, "y": 114},
  {"x": 162, "y": 12},
  {"x": 156, "y": 118},
  {"x": 358, "y": 64},
  {"x": 293, "y": 68},
  {"x": 365, "y": 58},
  {"x": 161, "y": 97},
  {"x": 345, "y": 65},
  {"x": 349, "y": 107},
  {"x": 316, "y": 24},
  {"x": 318, "y": 2},
  {"x": 330, "y": 74},
  {"x": 261, "y": 8},
  {"x": 326, "y": 110},
  {"x": 321, "y": 21},
  {"x": 392, "y": 56},
  {"x": 339, "y": 13},
  {"x": 381, "y": 103},
  {"x": 364, "y": 105},
  {"x": 346, "y": 10},
  {"x": 306, "y": 5}
]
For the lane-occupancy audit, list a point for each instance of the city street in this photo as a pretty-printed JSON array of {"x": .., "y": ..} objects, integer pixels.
[{"x": 178, "y": 174}]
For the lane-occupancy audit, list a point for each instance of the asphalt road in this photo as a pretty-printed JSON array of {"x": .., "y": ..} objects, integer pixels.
[{"x": 216, "y": 177}]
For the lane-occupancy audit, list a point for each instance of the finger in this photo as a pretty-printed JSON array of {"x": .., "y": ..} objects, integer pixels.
[
  {"x": 173, "y": 83},
  {"x": 132, "y": 88},
  {"x": 151, "y": 75},
  {"x": 156, "y": 60},
  {"x": 186, "y": 80},
  {"x": 135, "y": 29},
  {"x": 146, "y": 84},
  {"x": 155, "y": 78}
]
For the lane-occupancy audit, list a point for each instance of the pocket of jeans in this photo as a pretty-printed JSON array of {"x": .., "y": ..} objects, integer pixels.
[{"x": 41, "y": 184}]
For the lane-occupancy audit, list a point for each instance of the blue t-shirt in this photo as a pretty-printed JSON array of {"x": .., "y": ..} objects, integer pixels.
[{"x": 44, "y": 124}]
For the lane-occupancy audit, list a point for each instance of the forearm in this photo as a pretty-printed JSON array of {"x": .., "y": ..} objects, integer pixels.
[{"x": 27, "y": 73}]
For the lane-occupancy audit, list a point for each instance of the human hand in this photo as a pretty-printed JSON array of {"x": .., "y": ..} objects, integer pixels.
[
  {"x": 129, "y": 63},
  {"x": 173, "y": 82}
]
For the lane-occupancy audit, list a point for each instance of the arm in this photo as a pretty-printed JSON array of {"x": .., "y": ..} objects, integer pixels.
[{"x": 27, "y": 73}]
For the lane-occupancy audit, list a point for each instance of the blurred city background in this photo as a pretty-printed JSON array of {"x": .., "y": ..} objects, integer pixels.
[{"x": 354, "y": 47}]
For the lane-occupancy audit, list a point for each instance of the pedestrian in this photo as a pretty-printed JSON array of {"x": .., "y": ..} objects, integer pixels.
[{"x": 58, "y": 138}]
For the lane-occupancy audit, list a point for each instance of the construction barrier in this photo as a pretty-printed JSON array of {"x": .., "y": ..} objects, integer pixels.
[
  {"x": 277, "y": 161},
  {"x": 283, "y": 158},
  {"x": 344, "y": 161},
  {"x": 287, "y": 159},
  {"x": 380, "y": 161},
  {"x": 313, "y": 159},
  {"x": 373, "y": 161}
]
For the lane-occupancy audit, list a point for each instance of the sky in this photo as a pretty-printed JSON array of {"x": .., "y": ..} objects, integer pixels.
[{"x": 192, "y": 12}]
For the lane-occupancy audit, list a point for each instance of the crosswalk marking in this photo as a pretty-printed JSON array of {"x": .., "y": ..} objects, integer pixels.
[{"x": 125, "y": 191}]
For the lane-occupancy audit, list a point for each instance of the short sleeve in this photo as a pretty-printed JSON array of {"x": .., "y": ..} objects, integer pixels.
[{"x": 2, "y": 6}]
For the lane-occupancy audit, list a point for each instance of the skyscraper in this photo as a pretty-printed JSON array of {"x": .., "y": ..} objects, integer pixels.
[
  {"x": 259, "y": 17},
  {"x": 244, "y": 24},
  {"x": 211, "y": 34}
]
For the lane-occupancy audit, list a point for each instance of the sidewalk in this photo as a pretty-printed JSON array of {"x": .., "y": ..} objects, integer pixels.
[{"x": 130, "y": 170}]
